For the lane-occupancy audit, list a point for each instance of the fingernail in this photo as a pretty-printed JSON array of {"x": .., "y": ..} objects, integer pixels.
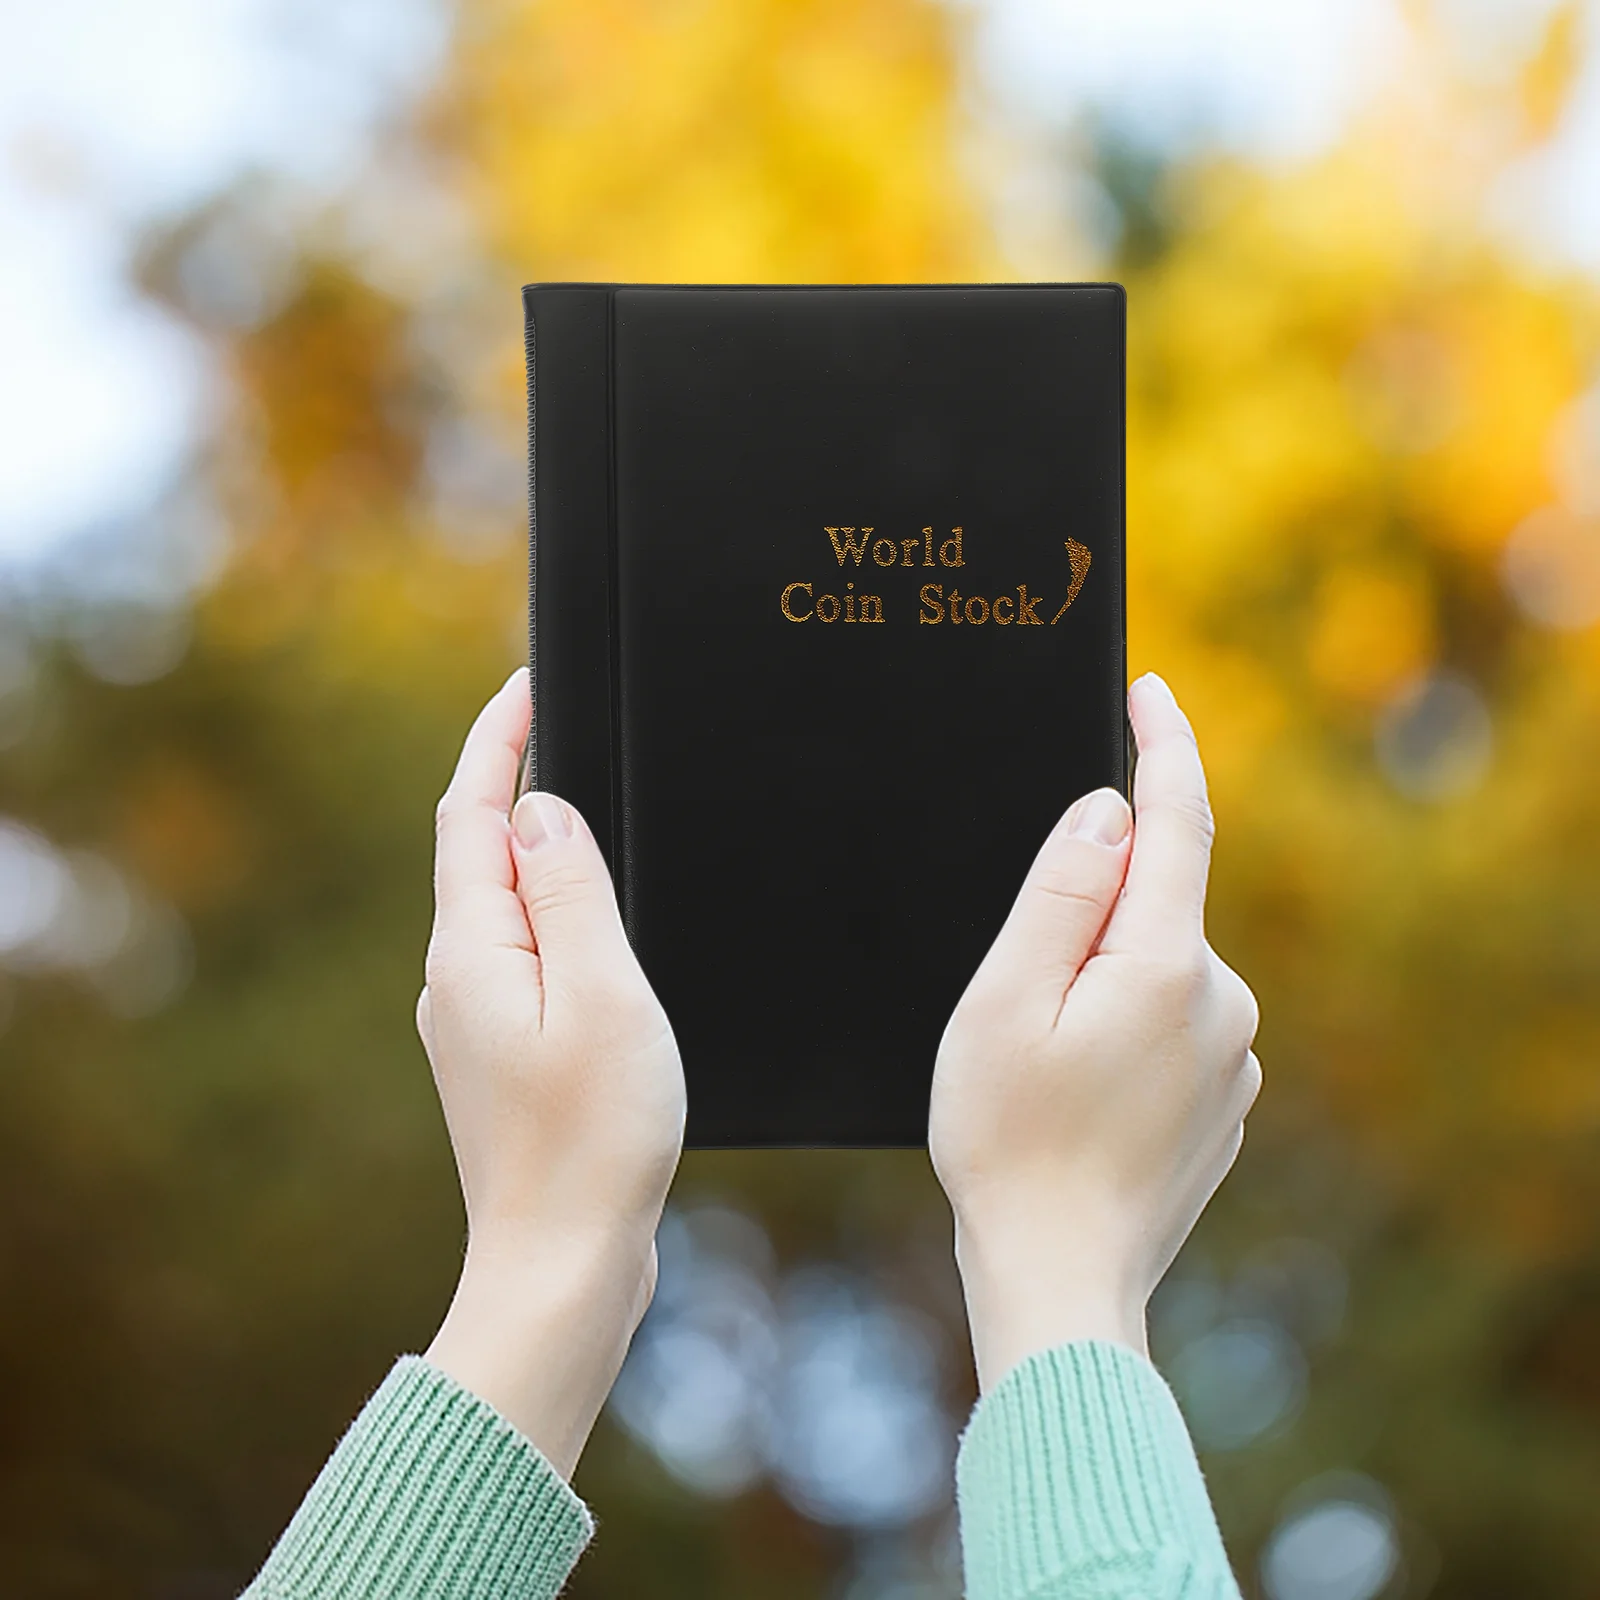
[
  {"x": 1102, "y": 817},
  {"x": 537, "y": 817},
  {"x": 1156, "y": 682}
]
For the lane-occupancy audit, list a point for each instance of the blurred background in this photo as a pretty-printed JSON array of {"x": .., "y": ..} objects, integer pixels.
[{"x": 261, "y": 524}]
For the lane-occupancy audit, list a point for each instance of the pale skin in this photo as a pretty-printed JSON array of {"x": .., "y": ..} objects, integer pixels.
[
  {"x": 1091, "y": 1087},
  {"x": 1089, "y": 1093}
]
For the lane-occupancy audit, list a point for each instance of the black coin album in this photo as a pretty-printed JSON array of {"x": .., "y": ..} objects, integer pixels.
[{"x": 826, "y": 630}]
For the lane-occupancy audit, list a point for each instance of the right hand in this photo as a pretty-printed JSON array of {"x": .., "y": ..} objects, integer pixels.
[{"x": 1091, "y": 1086}]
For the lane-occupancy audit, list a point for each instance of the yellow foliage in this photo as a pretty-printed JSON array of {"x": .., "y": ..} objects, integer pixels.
[
  {"x": 1371, "y": 630},
  {"x": 715, "y": 140},
  {"x": 1514, "y": 366},
  {"x": 1549, "y": 75},
  {"x": 324, "y": 378}
]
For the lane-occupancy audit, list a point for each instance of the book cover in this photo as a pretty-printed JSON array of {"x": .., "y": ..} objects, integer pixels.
[{"x": 826, "y": 632}]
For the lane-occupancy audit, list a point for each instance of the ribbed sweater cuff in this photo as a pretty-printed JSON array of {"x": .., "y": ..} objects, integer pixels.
[
  {"x": 1076, "y": 1476},
  {"x": 432, "y": 1493}
]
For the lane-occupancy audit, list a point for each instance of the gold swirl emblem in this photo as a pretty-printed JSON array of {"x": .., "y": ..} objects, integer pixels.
[{"x": 1078, "y": 558}]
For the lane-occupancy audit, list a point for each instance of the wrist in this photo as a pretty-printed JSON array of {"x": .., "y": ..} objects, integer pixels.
[
  {"x": 1029, "y": 1289},
  {"x": 539, "y": 1329}
]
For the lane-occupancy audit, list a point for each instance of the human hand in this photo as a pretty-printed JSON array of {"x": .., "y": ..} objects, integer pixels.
[
  {"x": 1090, "y": 1089},
  {"x": 562, "y": 1089}
]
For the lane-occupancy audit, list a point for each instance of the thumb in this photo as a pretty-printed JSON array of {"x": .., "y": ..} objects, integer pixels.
[
  {"x": 1063, "y": 903},
  {"x": 563, "y": 885}
]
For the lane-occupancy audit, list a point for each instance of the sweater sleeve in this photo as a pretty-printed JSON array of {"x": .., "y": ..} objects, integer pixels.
[
  {"x": 1076, "y": 1480},
  {"x": 431, "y": 1493}
]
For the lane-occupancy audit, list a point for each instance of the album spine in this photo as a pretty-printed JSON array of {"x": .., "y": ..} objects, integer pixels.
[
  {"x": 1129, "y": 747},
  {"x": 571, "y": 538}
]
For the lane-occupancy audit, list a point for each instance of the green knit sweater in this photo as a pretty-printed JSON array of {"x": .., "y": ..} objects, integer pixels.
[{"x": 1075, "y": 1480}]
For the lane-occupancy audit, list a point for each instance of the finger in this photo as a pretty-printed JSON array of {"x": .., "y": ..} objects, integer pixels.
[
  {"x": 1248, "y": 1087},
  {"x": 1063, "y": 903},
  {"x": 647, "y": 1288},
  {"x": 474, "y": 879},
  {"x": 565, "y": 890},
  {"x": 1167, "y": 872},
  {"x": 1241, "y": 1014},
  {"x": 425, "y": 1020}
]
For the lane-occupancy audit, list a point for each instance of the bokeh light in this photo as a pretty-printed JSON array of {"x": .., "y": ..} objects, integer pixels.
[
  {"x": 1239, "y": 1381},
  {"x": 1340, "y": 1543},
  {"x": 1552, "y": 567},
  {"x": 78, "y": 913},
  {"x": 815, "y": 1380},
  {"x": 1436, "y": 736}
]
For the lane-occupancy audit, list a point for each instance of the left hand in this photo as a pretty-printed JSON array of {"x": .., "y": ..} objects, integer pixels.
[
  {"x": 1091, "y": 1087},
  {"x": 562, "y": 1088}
]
